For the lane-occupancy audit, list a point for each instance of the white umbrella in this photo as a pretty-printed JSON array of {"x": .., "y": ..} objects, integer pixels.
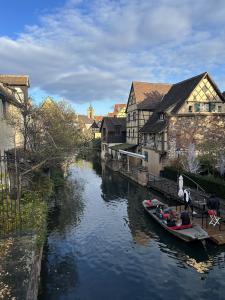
[{"x": 181, "y": 184}]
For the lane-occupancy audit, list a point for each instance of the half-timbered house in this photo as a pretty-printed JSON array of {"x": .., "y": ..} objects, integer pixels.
[
  {"x": 192, "y": 111},
  {"x": 142, "y": 101}
]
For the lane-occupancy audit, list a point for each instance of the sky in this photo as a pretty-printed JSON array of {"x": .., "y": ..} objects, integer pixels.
[{"x": 89, "y": 51}]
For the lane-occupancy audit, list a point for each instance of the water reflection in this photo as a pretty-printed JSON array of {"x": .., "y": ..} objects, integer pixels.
[
  {"x": 143, "y": 229},
  {"x": 102, "y": 245}
]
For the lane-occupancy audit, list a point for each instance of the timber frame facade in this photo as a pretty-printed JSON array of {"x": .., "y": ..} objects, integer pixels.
[
  {"x": 142, "y": 101},
  {"x": 192, "y": 112}
]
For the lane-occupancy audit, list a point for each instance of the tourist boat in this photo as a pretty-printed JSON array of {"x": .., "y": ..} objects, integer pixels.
[{"x": 187, "y": 233}]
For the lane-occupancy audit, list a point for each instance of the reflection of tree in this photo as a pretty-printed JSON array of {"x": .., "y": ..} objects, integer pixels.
[
  {"x": 58, "y": 272},
  {"x": 69, "y": 205}
]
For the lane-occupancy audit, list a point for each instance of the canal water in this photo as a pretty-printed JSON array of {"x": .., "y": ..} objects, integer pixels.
[{"x": 102, "y": 245}]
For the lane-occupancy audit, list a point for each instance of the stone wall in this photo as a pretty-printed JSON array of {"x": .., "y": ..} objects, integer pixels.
[
  {"x": 20, "y": 265},
  {"x": 186, "y": 129}
]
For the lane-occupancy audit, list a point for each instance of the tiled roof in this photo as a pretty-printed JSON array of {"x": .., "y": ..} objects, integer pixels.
[
  {"x": 118, "y": 107},
  {"x": 98, "y": 118},
  {"x": 173, "y": 100},
  {"x": 145, "y": 90},
  {"x": 178, "y": 93},
  {"x": 111, "y": 122},
  {"x": 154, "y": 124},
  {"x": 111, "y": 114},
  {"x": 14, "y": 80}
]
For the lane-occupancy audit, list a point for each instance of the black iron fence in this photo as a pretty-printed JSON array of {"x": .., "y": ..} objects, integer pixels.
[{"x": 10, "y": 220}]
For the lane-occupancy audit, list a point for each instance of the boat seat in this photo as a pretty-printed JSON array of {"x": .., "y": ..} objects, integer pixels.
[{"x": 180, "y": 227}]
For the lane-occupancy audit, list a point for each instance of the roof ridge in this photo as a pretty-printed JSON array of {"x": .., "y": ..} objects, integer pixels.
[
  {"x": 158, "y": 83},
  {"x": 191, "y": 78}
]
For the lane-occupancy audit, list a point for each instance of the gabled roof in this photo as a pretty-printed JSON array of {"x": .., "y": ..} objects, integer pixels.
[
  {"x": 94, "y": 125},
  {"x": 148, "y": 94},
  {"x": 111, "y": 122},
  {"x": 180, "y": 92},
  {"x": 173, "y": 101},
  {"x": 143, "y": 90},
  {"x": 15, "y": 80}
]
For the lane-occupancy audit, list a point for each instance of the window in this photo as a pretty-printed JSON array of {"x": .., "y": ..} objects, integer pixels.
[
  {"x": 161, "y": 116},
  {"x": 190, "y": 108},
  {"x": 129, "y": 133},
  {"x": 3, "y": 109},
  {"x": 133, "y": 133},
  {"x": 134, "y": 116},
  {"x": 197, "y": 107},
  {"x": 219, "y": 108},
  {"x": 117, "y": 129},
  {"x": 146, "y": 155},
  {"x": 145, "y": 139},
  {"x": 104, "y": 134},
  {"x": 212, "y": 107},
  {"x": 128, "y": 118},
  {"x": 204, "y": 107}
]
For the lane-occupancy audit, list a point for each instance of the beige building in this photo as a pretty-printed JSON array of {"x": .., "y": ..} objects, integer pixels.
[
  {"x": 13, "y": 91},
  {"x": 191, "y": 112}
]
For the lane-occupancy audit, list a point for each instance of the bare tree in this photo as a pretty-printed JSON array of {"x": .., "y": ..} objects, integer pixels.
[{"x": 191, "y": 163}]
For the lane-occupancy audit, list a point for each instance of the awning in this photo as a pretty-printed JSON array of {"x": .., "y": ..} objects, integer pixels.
[{"x": 124, "y": 146}]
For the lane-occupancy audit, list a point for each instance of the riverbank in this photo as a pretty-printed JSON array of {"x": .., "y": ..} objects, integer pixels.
[
  {"x": 21, "y": 249},
  {"x": 23, "y": 235}
]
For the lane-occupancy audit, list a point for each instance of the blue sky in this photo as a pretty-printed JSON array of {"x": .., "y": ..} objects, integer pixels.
[{"x": 90, "y": 51}]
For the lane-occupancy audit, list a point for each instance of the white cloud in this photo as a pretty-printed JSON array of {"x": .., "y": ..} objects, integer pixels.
[{"x": 92, "y": 50}]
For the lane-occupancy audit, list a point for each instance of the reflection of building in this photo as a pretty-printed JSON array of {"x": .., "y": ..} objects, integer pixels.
[{"x": 127, "y": 190}]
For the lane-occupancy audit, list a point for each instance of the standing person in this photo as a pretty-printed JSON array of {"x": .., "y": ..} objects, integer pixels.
[{"x": 187, "y": 199}]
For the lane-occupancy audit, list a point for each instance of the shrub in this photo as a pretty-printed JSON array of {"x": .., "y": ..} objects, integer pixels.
[{"x": 209, "y": 183}]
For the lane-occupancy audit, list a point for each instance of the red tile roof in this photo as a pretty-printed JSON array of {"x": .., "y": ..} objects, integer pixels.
[
  {"x": 142, "y": 90},
  {"x": 98, "y": 118}
]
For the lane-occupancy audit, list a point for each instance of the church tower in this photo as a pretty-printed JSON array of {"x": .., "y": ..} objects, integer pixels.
[{"x": 91, "y": 112}]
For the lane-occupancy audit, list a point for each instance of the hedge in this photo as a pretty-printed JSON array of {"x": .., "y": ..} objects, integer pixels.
[{"x": 209, "y": 183}]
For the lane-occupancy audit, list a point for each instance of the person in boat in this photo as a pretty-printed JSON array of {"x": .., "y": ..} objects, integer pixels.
[
  {"x": 187, "y": 199},
  {"x": 159, "y": 211},
  {"x": 213, "y": 203},
  {"x": 185, "y": 218},
  {"x": 171, "y": 220}
]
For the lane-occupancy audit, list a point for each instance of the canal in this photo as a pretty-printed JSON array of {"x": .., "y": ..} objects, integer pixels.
[{"x": 102, "y": 245}]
